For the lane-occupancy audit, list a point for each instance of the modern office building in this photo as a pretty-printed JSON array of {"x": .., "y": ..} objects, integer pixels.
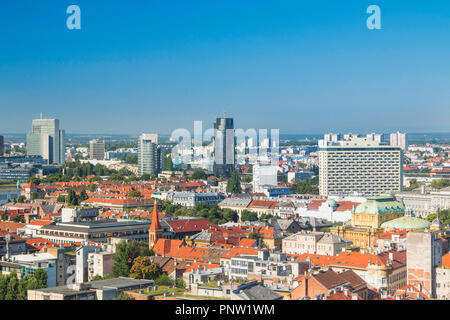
[
  {"x": 399, "y": 139},
  {"x": 46, "y": 139},
  {"x": 2, "y": 146},
  {"x": 359, "y": 165},
  {"x": 224, "y": 142},
  {"x": 150, "y": 155},
  {"x": 97, "y": 149}
]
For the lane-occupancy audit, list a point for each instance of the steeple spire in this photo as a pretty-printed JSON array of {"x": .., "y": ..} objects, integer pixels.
[{"x": 155, "y": 231}]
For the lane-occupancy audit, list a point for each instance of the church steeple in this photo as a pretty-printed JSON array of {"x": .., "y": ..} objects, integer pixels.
[{"x": 155, "y": 231}]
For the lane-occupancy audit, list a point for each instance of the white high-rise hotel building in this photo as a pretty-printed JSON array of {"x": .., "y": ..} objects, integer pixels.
[{"x": 359, "y": 164}]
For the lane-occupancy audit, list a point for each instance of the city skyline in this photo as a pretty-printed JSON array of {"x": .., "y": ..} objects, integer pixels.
[{"x": 300, "y": 67}]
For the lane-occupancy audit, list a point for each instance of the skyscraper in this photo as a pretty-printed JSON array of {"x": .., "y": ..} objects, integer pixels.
[
  {"x": 97, "y": 149},
  {"x": 359, "y": 165},
  {"x": 399, "y": 139},
  {"x": 150, "y": 155},
  {"x": 46, "y": 140},
  {"x": 1, "y": 146},
  {"x": 224, "y": 153}
]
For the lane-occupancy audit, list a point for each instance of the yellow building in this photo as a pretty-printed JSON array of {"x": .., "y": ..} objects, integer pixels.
[{"x": 367, "y": 219}]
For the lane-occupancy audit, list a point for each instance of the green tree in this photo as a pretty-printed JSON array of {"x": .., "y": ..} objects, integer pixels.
[
  {"x": 444, "y": 216},
  {"x": 3, "y": 287},
  {"x": 18, "y": 218},
  {"x": 41, "y": 277},
  {"x": 248, "y": 216},
  {"x": 92, "y": 187},
  {"x": 440, "y": 184},
  {"x": 164, "y": 280},
  {"x": 13, "y": 286},
  {"x": 23, "y": 288},
  {"x": 180, "y": 283},
  {"x": 304, "y": 187},
  {"x": 234, "y": 183},
  {"x": 143, "y": 268},
  {"x": 199, "y": 174},
  {"x": 134, "y": 194},
  {"x": 168, "y": 163},
  {"x": 83, "y": 196},
  {"x": 125, "y": 255},
  {"x": 21, "y": 199},
  {"x": 61, "y": 198}
]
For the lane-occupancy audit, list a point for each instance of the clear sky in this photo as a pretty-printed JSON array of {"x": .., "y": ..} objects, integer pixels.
[{"x": 300, "y": 66}]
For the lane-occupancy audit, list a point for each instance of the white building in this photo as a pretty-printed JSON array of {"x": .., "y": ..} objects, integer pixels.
[
  {"x": 361, "y": 165},
  {"x": 399, "y": 140},
  {"x": 264, "y": 175}
]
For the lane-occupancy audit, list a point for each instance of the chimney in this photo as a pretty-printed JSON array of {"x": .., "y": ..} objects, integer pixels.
[{"x": 354, "y": 296}]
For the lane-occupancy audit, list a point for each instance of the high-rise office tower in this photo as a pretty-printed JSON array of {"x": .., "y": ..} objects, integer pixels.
[
  {"x": 224, "y": 152},
  {"x": 46, "y": 140},
  {"x": 423, "y": 255},
  {"x": 2, "y": 146},
  {"x": 359, "y": 165},
  {"x": 150, "y": 155},
  {"x": 399, "y": 139},
  {"x": 97, "y": 149}
]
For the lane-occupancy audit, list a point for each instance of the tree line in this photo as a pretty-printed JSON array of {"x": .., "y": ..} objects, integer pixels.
[{"x": 13, "y": 288}]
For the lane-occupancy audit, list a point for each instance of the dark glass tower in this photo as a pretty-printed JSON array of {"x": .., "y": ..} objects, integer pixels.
[{"x": 224, "y": 152}]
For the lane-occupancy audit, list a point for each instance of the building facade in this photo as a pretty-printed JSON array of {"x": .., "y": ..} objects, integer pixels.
[
  {"x": 150, "y": 155},
  {"x": 359, "y": 165},
  {"x": 424, "y": 254},
  {"x": 399, "y": 139},
  {"x": 96, "y": 149},
  {"x": 224, "y": 147},
  {"x": 46, "y": 139}
]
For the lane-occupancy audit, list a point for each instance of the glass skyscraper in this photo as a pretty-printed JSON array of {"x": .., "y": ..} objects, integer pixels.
[
  {"x": 47, "y": 140},
  {"x": 150, "y": 155},
  {"x": 224, "y": 153}
]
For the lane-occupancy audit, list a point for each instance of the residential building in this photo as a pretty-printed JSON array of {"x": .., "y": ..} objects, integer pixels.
[
  {"x": 399, "y": 140},
  {"x": 224, "y": 147},
  {"x": 264, "y": 175},
  {"x": 99, "y": 264},
  {"x": 96, "y": 149},
  {"x": 46, "y": 139},
  {"x": 320, "y": 285},
  {"x": 314, "y": 242},
  {"x": 359, "y": 165}
]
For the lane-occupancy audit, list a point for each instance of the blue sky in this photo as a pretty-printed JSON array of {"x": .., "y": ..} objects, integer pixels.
[{"x": 300, "y": 66}]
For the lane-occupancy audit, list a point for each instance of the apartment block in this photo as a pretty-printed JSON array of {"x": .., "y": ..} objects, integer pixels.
[{"x": 361, "y": 165}]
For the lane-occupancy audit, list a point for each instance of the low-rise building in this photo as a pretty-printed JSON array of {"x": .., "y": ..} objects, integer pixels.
[{"x": 314, "y": 242}]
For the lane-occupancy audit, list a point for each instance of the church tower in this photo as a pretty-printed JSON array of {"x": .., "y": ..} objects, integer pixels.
[{"x": 155, "y": 231}]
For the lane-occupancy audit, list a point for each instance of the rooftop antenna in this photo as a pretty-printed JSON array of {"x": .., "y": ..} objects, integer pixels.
[{"x": 224, "y": 114}]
